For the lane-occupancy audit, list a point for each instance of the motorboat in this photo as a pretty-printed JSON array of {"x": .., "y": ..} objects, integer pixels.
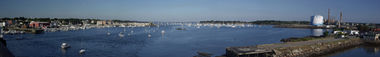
[
  {"x": 149, "y": 35},
  {"x": 163, "y": 31},
  {"x": 108, "y": 33},
  {"x": 65, "y": 46},
  {"x": 81, "y": 51}
]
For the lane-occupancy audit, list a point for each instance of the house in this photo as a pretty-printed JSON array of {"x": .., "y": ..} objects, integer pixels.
[
  {"x": 2, "y": 24},
  {"x": 377, "y": 29},
  {"x": 100, "y": 22},
  {"x": 39, "y": 24}
]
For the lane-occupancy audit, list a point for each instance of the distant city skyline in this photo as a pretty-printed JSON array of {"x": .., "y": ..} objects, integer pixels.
[{"x": 193, "y": 10}]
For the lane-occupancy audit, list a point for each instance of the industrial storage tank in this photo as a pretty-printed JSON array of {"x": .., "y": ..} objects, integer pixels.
[{"x": 317, "y": 20}]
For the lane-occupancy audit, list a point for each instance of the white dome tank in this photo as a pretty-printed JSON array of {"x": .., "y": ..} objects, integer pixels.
[{"x": 317, "y": 20}]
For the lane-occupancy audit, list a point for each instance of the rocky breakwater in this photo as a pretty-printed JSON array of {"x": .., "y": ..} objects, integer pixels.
[{"x": 293, "y": 49}]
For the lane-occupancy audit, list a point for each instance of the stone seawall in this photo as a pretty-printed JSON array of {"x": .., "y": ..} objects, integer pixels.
[
  {"x": 293, "y": 49},
  {"x": 315, "y": 49}
]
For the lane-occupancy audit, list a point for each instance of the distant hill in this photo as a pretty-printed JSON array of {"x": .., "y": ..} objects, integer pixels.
[{"x": 261, "y": 22}]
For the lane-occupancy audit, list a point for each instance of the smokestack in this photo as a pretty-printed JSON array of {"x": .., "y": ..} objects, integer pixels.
[
  {"x": 340, "y": 20},
  {"x": 328, "y": 17}
]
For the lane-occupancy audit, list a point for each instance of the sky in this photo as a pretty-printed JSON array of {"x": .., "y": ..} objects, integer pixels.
[{"x": 193, "y": 10}]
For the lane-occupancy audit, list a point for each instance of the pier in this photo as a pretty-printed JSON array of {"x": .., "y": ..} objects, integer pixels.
[
  {"x": 28, "y": 30},
  {"x": 293, "y": 49}
]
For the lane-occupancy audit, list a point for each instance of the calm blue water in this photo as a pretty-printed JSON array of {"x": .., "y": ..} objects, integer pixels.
[
  {"x": 366, "y": 50},
  {"x": 173, "y": 43}
]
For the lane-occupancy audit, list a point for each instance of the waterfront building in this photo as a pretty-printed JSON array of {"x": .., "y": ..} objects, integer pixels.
[
  {"x": 317, "y": 20},
  {"x": 39, "y": 24},
  {"x": 2, "y": 24},
  {"x": 377, "y": 29},
  {"x": 372, "y": 38},
  {"x": 99, "y": 22}
]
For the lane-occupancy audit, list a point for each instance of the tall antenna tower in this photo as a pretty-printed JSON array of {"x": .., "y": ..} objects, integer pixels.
[
  {"x": 340, "y": 20},
  {"x": 328, "y": 17}
]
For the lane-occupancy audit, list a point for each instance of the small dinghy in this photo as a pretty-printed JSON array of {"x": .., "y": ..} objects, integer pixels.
[{"x": 65, "y": 46}]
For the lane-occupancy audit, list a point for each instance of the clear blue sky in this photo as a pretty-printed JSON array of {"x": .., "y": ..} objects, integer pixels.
[{"x": 192, "y": 10}]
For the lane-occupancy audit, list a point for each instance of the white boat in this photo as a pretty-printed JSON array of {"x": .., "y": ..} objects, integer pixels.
[
  {"x": 81, "y": 51},
  {"x": 121, "y": 34},
  {"x": 122, "y": 26},
  {"x": 163, "y": 31},
  {"x": 233, "y": 26},
  {"x": 108, "y": 33},
  {"x": 149, "y": 35},
  {"x": 65, "y": 46}
]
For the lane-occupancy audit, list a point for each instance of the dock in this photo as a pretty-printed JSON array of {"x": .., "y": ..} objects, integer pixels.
[
  {"x": 293, "y": 49},
  {"x": 28, "y": 30}
]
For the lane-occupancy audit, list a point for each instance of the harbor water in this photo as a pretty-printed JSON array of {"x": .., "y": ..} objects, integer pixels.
[{"x": 173, "y": 42}]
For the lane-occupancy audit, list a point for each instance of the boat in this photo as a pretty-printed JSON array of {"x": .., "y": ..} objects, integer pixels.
[
  {"x": 122, "y": 26},
  {"x": 204, "y": 54},
  {"x": 108, "y": 33},
  {"x": 121, "y": 34},
  {"x": 65, "y": 46},
  {"x": 180, "y": 29},
  {"x": 163, "y": 31},
  {"x": 149, "y": 35},
  {"x": 81, "y": 51},
  {"x": 233, "y": 26}
]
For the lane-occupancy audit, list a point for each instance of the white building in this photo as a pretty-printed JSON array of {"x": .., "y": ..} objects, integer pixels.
[
  {"x": 2, "y": 24},
  {"x": 317, "y": 20}
]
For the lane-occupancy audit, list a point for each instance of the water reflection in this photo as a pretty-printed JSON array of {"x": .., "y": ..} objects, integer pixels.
[
  {"x": 317, "y": 32},
  {"x": 371, "y": 48},
  {"x": 365, "y": 50}
]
